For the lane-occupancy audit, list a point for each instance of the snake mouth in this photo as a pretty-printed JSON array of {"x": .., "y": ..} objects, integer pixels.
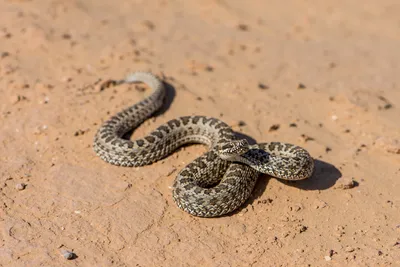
[{"x": 233, "y": 149}]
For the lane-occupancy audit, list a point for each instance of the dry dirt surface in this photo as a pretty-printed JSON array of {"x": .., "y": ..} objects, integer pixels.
[{"x": 321, "y": 74}]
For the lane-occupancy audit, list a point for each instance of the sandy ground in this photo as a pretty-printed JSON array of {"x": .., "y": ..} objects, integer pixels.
[{"x": 324, "y": 76}]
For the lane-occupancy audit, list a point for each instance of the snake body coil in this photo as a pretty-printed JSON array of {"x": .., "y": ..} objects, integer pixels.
[{"x": 217, "y": 182}]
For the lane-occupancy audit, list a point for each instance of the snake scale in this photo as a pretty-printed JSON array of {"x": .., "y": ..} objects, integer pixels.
[{"x": 214, "y": 184}]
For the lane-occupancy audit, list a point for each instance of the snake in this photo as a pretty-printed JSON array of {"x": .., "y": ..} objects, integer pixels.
[{"x": 214, "y": 184}]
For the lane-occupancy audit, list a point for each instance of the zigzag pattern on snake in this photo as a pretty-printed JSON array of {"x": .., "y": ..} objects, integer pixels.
[{"x": 214, "y": 184}]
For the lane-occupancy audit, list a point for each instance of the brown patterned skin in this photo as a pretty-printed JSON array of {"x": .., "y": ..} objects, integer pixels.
[{"x": 217, "y": 182}]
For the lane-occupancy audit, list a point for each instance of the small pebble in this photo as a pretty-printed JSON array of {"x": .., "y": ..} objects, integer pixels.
[
  {"x": 209, "y": 68},
  {"x": 349, "y": 249},
  {"x": 388, "y": 144},
  {"x": 347, "y": 184},
  {"x": 40, "y": 129},
  {"x": 68, "y": 254},
  {"x": 306, "y": 138},
  {"x": 327, "y": 258},
  {"x": 302, "y": 228},
  {"x": 20, "y": 186},
  {"x": 265, "y": 201},
  {"x": 262, "y": 86},
  {"x": 274, "y": 127},
  {"x": 4, "y": 54},
  {"x": 293, "y": 125},
  {"x": 79, "y": 132},
  {"x": 243, "y": 27},
  {"x": 387, "y": 106},
  {"x": 241, "y": 123},
  {"x": 14, "y": 99},
  {"x": 319, "y": 204},
  {"x": 149, "y": 25},
  {"x": 66, "y": 36},
  {"x": 301, "y": 86},
  {"x": 243, "y": 212}
]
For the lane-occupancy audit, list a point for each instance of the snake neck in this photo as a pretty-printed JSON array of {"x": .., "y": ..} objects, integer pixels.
[
  {"x": 280, "y": 164},
  {"x": 255, "y": 158}
]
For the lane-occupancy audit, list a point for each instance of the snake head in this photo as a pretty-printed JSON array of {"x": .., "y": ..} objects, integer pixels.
[{"x": 232, "y": 149}]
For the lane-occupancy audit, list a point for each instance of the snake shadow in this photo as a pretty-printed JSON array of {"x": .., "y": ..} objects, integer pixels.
[
  {"x": 325, "y": 176},
  {"x": 170, "y": 93}
]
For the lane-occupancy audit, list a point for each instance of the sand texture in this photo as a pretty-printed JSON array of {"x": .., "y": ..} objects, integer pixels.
[{"x": 324, "y": 75}]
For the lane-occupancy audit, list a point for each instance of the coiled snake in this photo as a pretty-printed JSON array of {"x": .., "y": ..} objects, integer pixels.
[{"x": 217, "y": 182}]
